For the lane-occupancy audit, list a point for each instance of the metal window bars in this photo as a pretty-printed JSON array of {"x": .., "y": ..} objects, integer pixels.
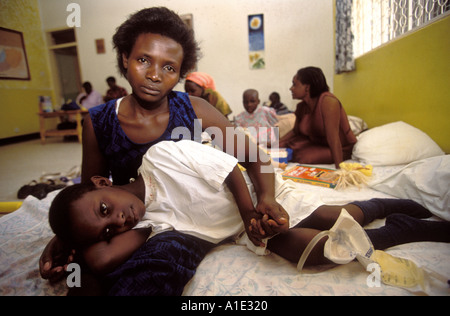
[{"x": 375, "y": 22}]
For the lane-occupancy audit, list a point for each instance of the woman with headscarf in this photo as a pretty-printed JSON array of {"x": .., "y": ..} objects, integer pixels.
[{"x": 202, "y": 85}]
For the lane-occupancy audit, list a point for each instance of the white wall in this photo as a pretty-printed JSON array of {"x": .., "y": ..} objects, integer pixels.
[{"x": 298, "y": 33}]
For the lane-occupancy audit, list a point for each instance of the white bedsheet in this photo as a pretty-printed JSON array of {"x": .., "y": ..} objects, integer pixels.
[
  {"x": 227, "y": 270},
  {"x": 233, "y": 270},
  {"x": 426, "y": 181},
  {"x": 23, "y": 236}
]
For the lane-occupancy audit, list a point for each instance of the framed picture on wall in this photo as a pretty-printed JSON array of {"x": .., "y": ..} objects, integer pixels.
[
  {"x": 256, "y": 41},
  {"x": 13, "y": 57}
]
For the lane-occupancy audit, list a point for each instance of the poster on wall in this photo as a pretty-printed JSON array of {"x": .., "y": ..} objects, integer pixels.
[
  {"x": 13, "y": 58},
  {"x": 256, "y": 41},
  {"x": 100, "y": 46}
]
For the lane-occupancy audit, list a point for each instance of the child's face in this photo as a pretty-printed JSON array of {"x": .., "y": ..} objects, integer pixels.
[
  {"x": 153, "y": 66},
  {"x": 104, "y": 213},
  {"x": 250, "y": 101}
]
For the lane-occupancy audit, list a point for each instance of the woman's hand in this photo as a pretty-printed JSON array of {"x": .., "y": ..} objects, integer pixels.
[
  {"x": 274, "y": 220},
  {"x": 54, "y": 260}
]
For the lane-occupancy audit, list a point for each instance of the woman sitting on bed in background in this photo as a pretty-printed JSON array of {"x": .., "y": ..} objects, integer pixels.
[
  {"x": 155, "y": 49},
  {"x": 322, "y": 133},
  {"x": 200, "y": 84}
]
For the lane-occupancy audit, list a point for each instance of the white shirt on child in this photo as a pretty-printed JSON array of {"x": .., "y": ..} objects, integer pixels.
[{"x": 185, "y": 191}]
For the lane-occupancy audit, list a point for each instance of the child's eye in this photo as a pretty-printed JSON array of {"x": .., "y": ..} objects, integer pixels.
[
  {"x": 103, "y": 209},
  {"x": 142, "y": 60}
]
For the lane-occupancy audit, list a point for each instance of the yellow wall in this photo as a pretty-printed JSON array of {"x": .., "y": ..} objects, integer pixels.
[
  {"x": 406, "y": 80},
  {"x": 19, "y": 98}
]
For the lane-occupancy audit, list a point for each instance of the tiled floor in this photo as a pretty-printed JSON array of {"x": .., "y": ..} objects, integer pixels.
[{"x": 26, "y": 161}]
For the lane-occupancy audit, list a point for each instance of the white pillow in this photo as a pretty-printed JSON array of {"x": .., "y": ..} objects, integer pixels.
[
  {"x": 394, "y": 144},
  {"x": 357, "y": 124},
  {"x": 425, "y": 181}
]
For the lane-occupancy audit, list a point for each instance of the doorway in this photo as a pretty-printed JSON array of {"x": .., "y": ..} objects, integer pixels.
[
  {"x": 65, "y": 66},
  {"x": 68, "y": 71}
]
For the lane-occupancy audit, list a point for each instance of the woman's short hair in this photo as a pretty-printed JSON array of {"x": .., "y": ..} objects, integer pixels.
[{"x": 157, "y": 20}]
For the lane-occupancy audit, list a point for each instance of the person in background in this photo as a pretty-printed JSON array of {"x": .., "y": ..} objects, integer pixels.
[
  {"x": 202, "y": 85},
  {"x": 89, "y": 98},
  {"x": 275, "y": 103},
  {"x": 322, "y": 133},
  {"x": 262, "y": 118},
  {"x": 114, "y": 91}
]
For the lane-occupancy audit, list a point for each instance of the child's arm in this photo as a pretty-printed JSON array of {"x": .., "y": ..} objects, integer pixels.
[
  {"x": 237, "y": 185},
  {"x": 103, "y": 257}
]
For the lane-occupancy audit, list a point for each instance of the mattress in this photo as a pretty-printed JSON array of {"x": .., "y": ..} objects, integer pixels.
[{"x": 231, "y": 269}]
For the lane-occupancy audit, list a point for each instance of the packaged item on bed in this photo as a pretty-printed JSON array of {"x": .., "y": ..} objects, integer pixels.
[
  {"x": 354, "y": 166},
  {"x": 280, "y": 154},
  {"x": 312, "y": 175},
  {"x": 353, "y": 174}
]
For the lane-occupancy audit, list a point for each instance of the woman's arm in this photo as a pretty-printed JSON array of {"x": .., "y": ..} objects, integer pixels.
[
  {"x": 331, "y": 119},
  {"x": 283, "y": 140},
  {"x": 54, "y": 260},
  {"x": 292, "y": 133},
  {"x": 93, "y": 163},
  {"x": 256, "y": 162},
  {"x": 256, "y": 227},
  {"x": 103, "y": 257},
  {"x": 56, "y": 254},
  {"x": 237, "y": 185}
]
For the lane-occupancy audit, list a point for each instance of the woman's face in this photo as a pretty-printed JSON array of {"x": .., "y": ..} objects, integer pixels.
[
  {"x": 153, "y": 66},
  {"x": 298, "y": 90},
  {"x": 193, "y": 89}
]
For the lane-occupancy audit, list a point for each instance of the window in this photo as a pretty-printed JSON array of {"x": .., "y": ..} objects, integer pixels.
[{"x": 375, "y": 22}]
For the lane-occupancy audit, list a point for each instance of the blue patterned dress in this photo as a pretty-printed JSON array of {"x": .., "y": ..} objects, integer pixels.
[
  {"x": 124, "y": 156},
  {"x": 166, "y": 262}
]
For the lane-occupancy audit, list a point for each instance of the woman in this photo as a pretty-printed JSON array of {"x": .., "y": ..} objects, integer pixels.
[
  {"x": 321, "y": 133},
  {"x": 199, "y": 84},
  {"x": 154, "y": 51}
]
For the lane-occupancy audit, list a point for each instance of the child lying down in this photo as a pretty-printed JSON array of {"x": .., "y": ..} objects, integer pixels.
[{"x": 200, "y": 191}]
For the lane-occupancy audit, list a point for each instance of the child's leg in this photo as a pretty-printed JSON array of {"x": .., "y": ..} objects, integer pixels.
[
  {"x": 291, "y": 245},
  {"x": 382, "y": 208},
  {"x": 325, "y": 216},
  {"x": 364, "y": 212},
  {"x": 402, "y": 229}
]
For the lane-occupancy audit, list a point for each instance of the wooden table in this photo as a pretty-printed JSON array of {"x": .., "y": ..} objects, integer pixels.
[{"x": 79, "y": 114}]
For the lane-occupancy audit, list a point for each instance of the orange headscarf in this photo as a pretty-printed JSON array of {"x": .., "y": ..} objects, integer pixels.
[{"x": 202, "y": 79}]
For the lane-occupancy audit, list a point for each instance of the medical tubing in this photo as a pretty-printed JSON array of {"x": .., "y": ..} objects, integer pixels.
[{"x": 310, "y": 247}]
